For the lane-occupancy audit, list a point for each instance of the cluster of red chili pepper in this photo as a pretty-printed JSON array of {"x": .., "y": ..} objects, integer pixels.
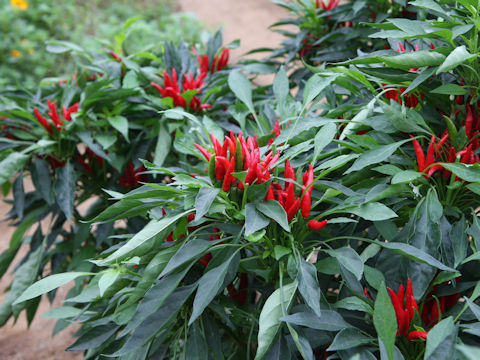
[
  {"x": 466, "y": 155},
  {"x": 432, "y": 309},
  {"x": 286, "y": 195},
  {"x": 217, "y": 64},
  {"x": 405, "y": 306},
  {"x": 237, "y": 154},
  {"x": 57, "y": 121},
  {"x": 171, "y": 89},
  {"x": 332, "y": 4},
  {"x": 433, "y": 153},
  {"x": 132, "y": 177},
  {"x": 277, "y": 130},
  {"x": 86, "y": 161}
]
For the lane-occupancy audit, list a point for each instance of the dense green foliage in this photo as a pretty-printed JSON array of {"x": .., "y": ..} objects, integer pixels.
[
  {"x": 27, "y": 26},
  {"x": 330, "y": 214}
]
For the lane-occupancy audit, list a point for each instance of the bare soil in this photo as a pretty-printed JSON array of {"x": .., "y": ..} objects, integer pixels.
[{"x": 247, "y": 20}]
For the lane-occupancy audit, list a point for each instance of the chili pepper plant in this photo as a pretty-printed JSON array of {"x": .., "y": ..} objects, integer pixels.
[
  {"x": 338, "y": 221},
  {"x": 83, "y": 133}
]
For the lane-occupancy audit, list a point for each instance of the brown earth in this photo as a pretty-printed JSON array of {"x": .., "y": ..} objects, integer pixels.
[{"x": 247, "y": 20}]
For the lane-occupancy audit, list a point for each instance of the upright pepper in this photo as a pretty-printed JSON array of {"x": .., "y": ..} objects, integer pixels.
[{"x": 405, "y": 306}]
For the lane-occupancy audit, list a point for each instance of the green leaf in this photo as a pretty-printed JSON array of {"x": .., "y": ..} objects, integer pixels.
[
  {"x": 154, "y": 324},
  {"x": 302, "y": 343},
  {"x": 375, "y": 156},
  {"x": 314, "y": 86},
  {"x": 373, "y": 211},
  {"x": 349, "y": 338},
  {"x": 415, "y": 254},
  {"x": 349, "y": 258},
  {"x": 155, "y": 298},
  {"x": 26, "y": 223},
  {"x": 196, "y": 347},
  {"x": 65, "y": 187},
  {"x": 405, "y": 177},
  {"x": 426, "y": 74},
  {"x": 57, "y": 46},
  {"x": 413, "y": 60},
  {"x": 354, "y": 303},
  {"x": 12, "y": 164},
  {"x": 474, "y": 307},
  {"x": 308, "y": 285},
  {"x": 458, "y": 56},
  {"x": 450, "y": 89},
  {"x": 329, "y": 320},
  {"x": 281, "y": 87},
  {"x": 119, "y": 123},
  {"x": 242, "y": 88},
  {"x": 94, "y": 337},
  {"x": 469, "y": 352},
  {"x": 431, "y": 5},
  {"x": 210, "y": 284},
  {"x": 441, "y": 341},
  {"x": 178, "y": 114},
  {"x": 275, "y": 211},
  {"x": 152, "y": 229},
  {"x": 187, "y": 252},
  {"x": 385, "y": 321},
  {"x": 254, "y": 220},
  {"x": 324, "y": 137},
  {"x": 203, "y": 201},
  {"x": 280, "y": 251},
  {"x": 42, "y": 179},
  {"x": 62, "y": 312},
  {"x": 162, "y": 149},
  {"x": 47, "y": 284},
  {"x": 107, "y": 279},
  {"x": 469, "y": 173},
  {"x": 272, "y": 311},
  {"x": 25, "y": 275}
]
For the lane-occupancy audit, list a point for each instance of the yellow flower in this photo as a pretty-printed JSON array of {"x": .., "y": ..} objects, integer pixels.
[
  {"x": 15, "y": 53},
  {"x": 19, "y": 4},
  {"x": 31, "y": 51},
  {"x": 24, "y": 41}
]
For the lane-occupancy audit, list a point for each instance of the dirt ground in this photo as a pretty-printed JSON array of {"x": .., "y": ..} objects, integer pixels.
[{"x": 247, "y": 20}]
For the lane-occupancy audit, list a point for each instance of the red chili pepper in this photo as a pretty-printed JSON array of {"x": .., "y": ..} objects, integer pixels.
[
  {"x": 114, "y": 55},
  {"x": 289, "y": 173},
  {"x": 443, "y": 139},
  {"x": 42, "y": 121},
  {"x": 293, "y": 209},
  {"x": 251, "y": 175},
  {"x": 203, "y": 151},
  {"x": 228, "y": 176},
  {"x": 420, "y": 155},
  {"x": 306, "y": 202},
  {"x": 469, "y": 120},
  {"x": 433, "y": 168},
  {"x": 270, "y": 194},
  {"x": 415, "y": 335},
  {"x": 404, "y": 314},
  {"x": 399, "y": 312},
  {"x": 430, "y": 152},
  {"x": 365, "y": 292},
  {"x": 316, "y": 225}
]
